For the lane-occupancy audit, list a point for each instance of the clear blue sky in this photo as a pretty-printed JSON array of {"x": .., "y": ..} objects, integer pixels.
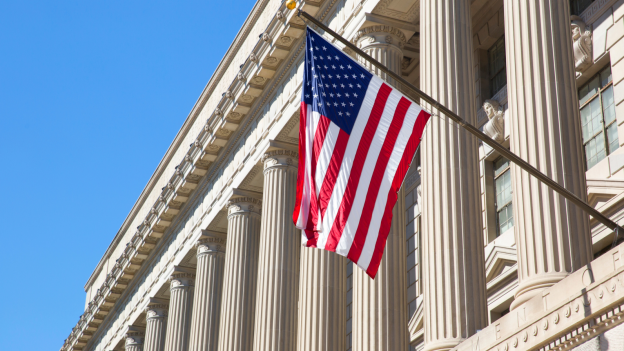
[{"x": 91, "y": 95}]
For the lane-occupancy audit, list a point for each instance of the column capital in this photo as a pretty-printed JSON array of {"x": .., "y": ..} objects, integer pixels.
[
  {"x": 244, "y": 205},
  {"x": 182, "y": 278},
  {"x": 379, "y": 35},
  {"x": 280, "y": 158},
  {"x": 157, "y": 308},
  {"x": 135, "y": 336},
  {"x": 210, "y": 243}
]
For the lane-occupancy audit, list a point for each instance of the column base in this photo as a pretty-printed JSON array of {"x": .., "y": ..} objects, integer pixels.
[{"x": 533, "y": 287}]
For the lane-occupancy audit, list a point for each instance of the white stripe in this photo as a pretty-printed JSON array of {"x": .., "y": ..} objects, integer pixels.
[
  {"x": 388, "y": 177},
  {"x": 345, "y": 168},
  {"x": 346, "y": 239}
]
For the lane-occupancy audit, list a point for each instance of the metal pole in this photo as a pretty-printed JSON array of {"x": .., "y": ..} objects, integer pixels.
[{"x": 474, "y": 131}]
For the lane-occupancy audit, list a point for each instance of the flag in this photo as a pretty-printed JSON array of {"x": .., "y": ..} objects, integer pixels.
[{"x": 357, "y": 138}]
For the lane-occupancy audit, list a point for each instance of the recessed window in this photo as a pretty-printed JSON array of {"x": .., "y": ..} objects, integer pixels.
[
  {"x": 578, "y": 6},
  {"x": 502, "y": 185},
  {"x": 496, "y": 60},
  {"x": 600, "y": 134}
]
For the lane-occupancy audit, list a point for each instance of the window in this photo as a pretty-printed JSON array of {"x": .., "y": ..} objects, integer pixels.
[
  {"x": 496, "y": 60},
  {"x": 600, "y": 134},
  {"x": 502, "y": 185},
  {"x": 349, "y": 302},
  {"x": 578, "y": 6}
]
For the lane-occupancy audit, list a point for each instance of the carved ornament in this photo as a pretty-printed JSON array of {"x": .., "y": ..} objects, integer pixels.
[
  {"x": 279, "y": 158},
  {"x": 495, "y": 127},
  {"x": 581, "y": 44},
  {"x": 369, "y": 35}
]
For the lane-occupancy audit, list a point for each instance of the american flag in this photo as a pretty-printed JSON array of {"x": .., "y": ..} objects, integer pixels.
[{"x": 357, "y": 138}]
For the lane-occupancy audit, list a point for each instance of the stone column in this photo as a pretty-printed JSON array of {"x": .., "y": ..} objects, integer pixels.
[
  {"x": 208, "y": 287},
  {"x": 380, "y": 306},
  {"x": 322, "y": 301},
  {"x": 156, "y": 317},
  {"x": 240, "y": 277},
  {"x": 134, "y": 339},
  {"x": 180, "y": 305},
  {"x": 453, "y": 252},
  {"x": 280, "y": 247},
  {"x": 552, "y": 234}
]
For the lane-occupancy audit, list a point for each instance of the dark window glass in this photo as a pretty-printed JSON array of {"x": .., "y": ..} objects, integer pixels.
[
  {"x": 496, "y": 60},
  {"x": 502, "y": 185}
]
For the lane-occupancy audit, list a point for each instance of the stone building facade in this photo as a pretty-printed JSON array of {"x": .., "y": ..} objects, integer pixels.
[{"x": 480, "y": 256}]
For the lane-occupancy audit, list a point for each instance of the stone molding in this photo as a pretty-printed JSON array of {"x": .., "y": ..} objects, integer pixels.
[
  {"x": 586, "y": 303},
  {"x": 279, "y": 159},
  {"x": 374, "y": 34},
  {"x": 134, "y": 338},
  {"x": 182, "y": 280}
]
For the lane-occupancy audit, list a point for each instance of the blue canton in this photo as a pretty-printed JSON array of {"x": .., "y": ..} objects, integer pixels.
[{"x": 333, "y": 83}]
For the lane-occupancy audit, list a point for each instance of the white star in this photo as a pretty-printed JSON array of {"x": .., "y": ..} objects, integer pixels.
[
  {"x": 346, "y": 76},
  {"x": 325, "y": 66},
  {"x": 334, "y": 67},
  {"x": 331, "y": 94},
  {"x": 318, "y": 66},
  {"x": 315, "y": 57},
  {"x": 338, "y": 76},
  {"x": 343, "y": 104},
  {"x": 326, "y": 85},
  {"x": 349, "y": 66},
  {"x": 335, "y": 86},
  {"x": 321, "y": 57},
  {"x": 354, "y": 76},
  {"x": 359, "y": 86},
  {"x": 362, "y": 75},
  {"x": 341, "y": 67},
  {"x": 312, "y": 49},
  {"x": 312, "y": 68},
  {"x": 338, "y": 95},
  {"x": 307, "y": 96},
  {"x": 347, "y": 94},
  {"x": 324, "y": 48},
  {"x": 311, "y": 37},
  {"x": 330, "y": 76},
  {"x": 315, "y": 76},
  {"x": 316, "y": 47},
  {"x": 340, "y": 113},
  {"x": 319, "y": 104},
  {"x": 336, "y": 104},
  {"x": 329, "y": 58},
  {"x": 337, "y": 58},
  {"x": 342, "y": 86},
  {"x": 351, "y": 86},
  {"x": 323, "y": 94},
  {"x": 354, "y": 94},
  {"x": 348, "y": 114},
  {"x": 315, "y": 96},
  {"x": 328, "y": 104},
  {"x": 308, "y": 83},
  {"x": 352, "y": 104},
  {"x": 323, "y": 76}
]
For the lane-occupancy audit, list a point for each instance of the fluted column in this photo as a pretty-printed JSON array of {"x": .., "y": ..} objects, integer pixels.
[
  {"x": 380, "y": 306},
  {"x": 280, "y": 246},
  {"x": 552, "y": 234},
  {"x": 134, "y": 339},
  {"x": 208, "y": 287},
  {"x": 453, "y": 253},
  {"x": 156, "y": 316},
  {"x": 322, "y": 301},
  {"x": 180, "y": 308},
  {"x": 240, "y": 277}
]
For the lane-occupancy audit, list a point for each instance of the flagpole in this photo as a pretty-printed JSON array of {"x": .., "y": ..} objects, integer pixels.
[{"x": 476, "y": 132}]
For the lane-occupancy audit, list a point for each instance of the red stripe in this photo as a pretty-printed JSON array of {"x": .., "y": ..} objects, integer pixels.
[
  {"x": 319, "y": 139},
  {"x": 378, "y": 175},
  {"x": 301, "y": 171},
  {"x": 332, "y": 170},
  {"x": 356, "y": 169},
  {"x": 399, "y": 176}
]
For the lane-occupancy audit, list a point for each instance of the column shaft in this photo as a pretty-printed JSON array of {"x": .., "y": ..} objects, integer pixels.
[
  {"x": 240, "y": 277},
  {"x": 380, "y": 306},
  {"x": 322, "y": 301},
  {"x": 453, "y": 250},
  {"x": 180, "y": 305},
  {"x": 156, "y": 316},
  {"x": 208, "y": 287},
  {"x": 552, "y": 234},
  {"x": 280, "y": 247}
]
